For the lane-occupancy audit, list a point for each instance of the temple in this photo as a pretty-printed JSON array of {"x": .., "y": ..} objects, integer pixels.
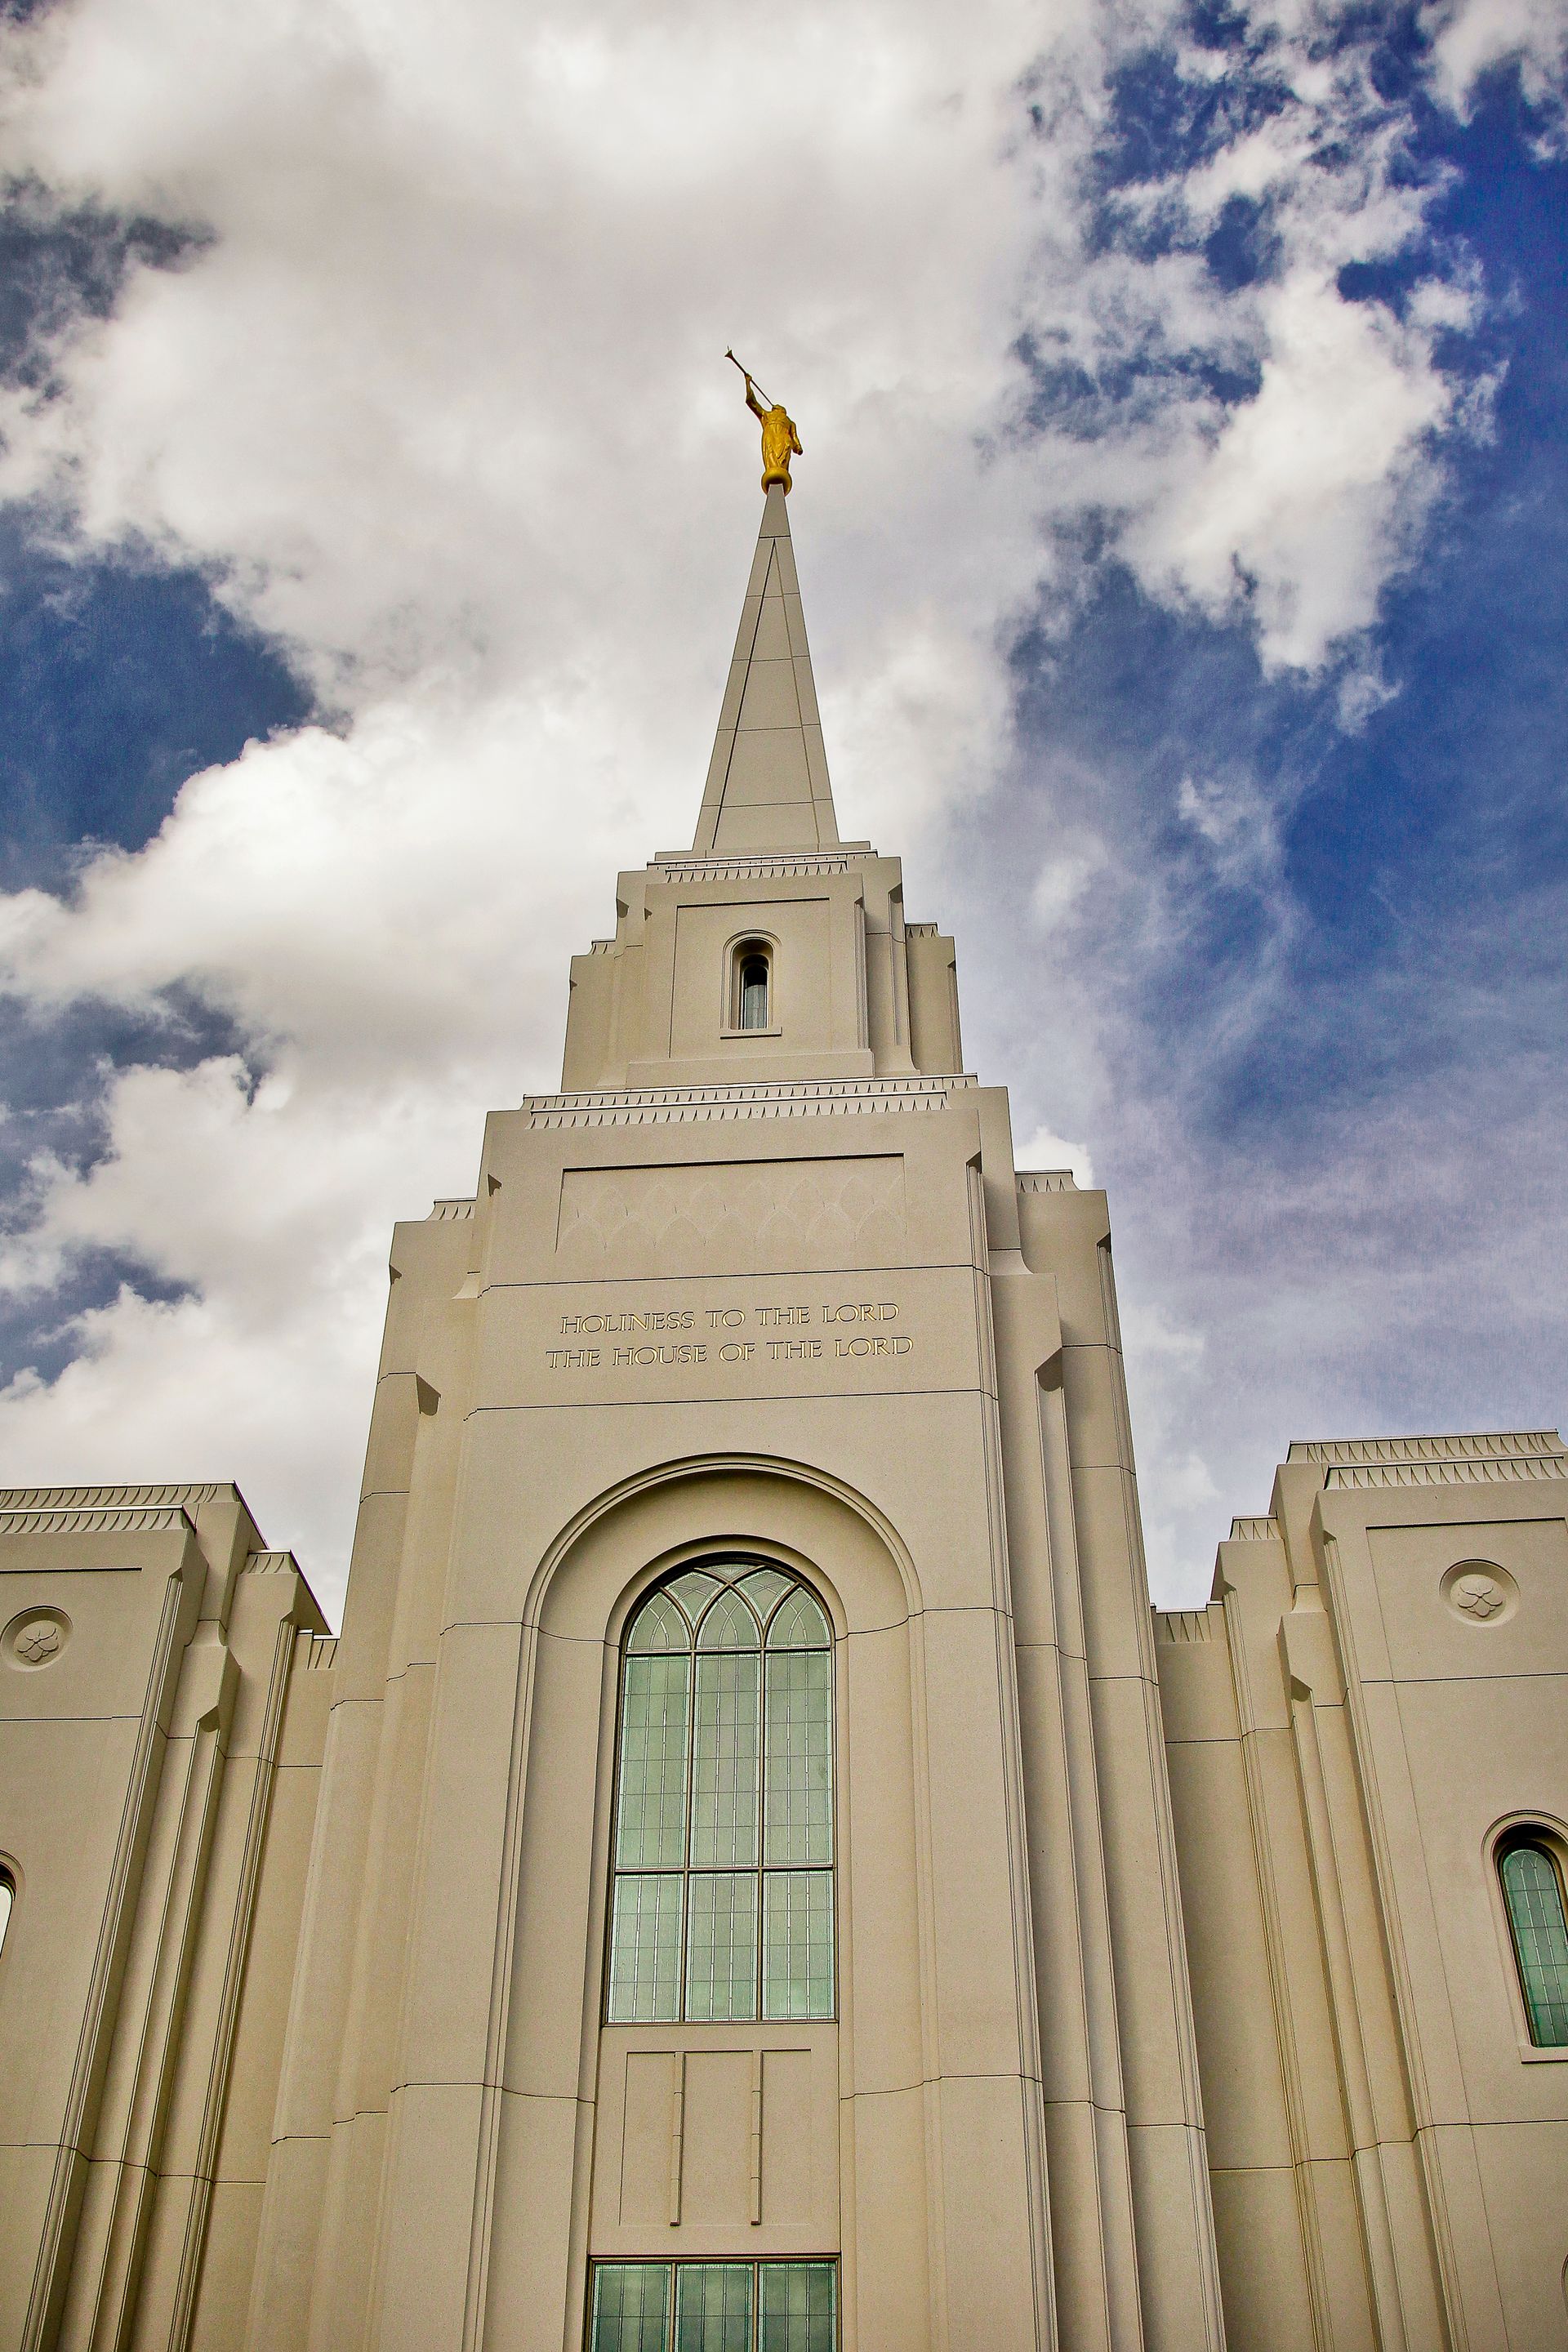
[{"x": 754, "y": 1874}]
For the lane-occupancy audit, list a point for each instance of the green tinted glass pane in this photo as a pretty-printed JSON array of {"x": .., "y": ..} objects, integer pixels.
[
  {"x": 799, "y": 1756},
  {"x": 721, "y": 1945},
  {"x": 713, "y": 2307},
  {"x": 659, "y": 1625},
  {"x": 729, "y": 1625},
  {"x": 762, "y": 1588},
  {"x": 694, "y": 1591},
  {"x": 724, "y": 1759},
  {"x": 796, "y": 2307},
  {"x": 799, "y": 1625},
  {"x": 797, "y": 1943},
  {"x": 631, "y": 2307},
  {"x": 650, "y": 1829},
  {"x": 645, "y": 1948},
  {"x": 1540, "y": 1938}
]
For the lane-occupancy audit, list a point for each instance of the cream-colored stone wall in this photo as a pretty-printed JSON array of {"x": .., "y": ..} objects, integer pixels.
[
  {"x": 156, "y": 1804},
  {"x": 1347, "y": 1740}
]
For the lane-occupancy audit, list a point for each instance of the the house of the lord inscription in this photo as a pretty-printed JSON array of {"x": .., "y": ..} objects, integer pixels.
[{"x": 649, "y": 1338}]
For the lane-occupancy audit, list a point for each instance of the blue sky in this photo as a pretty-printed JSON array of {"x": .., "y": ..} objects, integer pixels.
[{"x": 1185, "y": 529}]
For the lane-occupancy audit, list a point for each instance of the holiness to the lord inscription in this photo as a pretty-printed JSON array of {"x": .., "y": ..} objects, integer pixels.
[{"x": 786, "y": 1338}]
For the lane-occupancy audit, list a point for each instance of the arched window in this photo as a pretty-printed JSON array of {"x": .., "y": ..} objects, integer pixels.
[
  {"x": 1532, "y": 1891},
  {"x": 753, "y": 986},
  {"x": 722, "y": 1901},
  {"x": 8, "y": 1898}
]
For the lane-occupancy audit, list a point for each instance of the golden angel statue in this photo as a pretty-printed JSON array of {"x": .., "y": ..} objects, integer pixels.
[{"x": 781, "y": 442}]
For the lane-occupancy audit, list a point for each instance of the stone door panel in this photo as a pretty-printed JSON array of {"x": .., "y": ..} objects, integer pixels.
[{"x": 725, "y": 2144}]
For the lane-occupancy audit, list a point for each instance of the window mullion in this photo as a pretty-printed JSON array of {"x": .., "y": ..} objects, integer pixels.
[
  {"x": 686, "y": 1852},
  {"x": 765, "y": 1798},
  {"x": 760, "y": 1794}
]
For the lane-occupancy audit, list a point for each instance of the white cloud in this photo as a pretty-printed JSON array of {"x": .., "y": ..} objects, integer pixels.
[
  {"x": 1045, "y": 1152},
  {"x": 390, "y": 915},
  {"x": 1064, "y": 879},
  {"x": 1473, "y": 37},
  {"x": 1308, "y": 496},
  {"x": 441, "y": 402},
  {"x": 1296, "y": 503}
]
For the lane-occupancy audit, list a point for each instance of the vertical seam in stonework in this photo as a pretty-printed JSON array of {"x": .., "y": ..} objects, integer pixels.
[
  {"x": 793, "y": 679},
  {"x": 740, "y": 707}
]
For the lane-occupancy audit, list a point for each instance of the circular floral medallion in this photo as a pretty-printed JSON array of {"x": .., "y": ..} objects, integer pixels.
[
  {"x": 1481, "y": 1591},
  {"x": 35, "y": 1638}
]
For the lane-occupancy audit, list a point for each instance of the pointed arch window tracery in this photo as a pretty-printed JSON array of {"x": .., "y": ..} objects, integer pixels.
[{"x": 723, "y": 1898}]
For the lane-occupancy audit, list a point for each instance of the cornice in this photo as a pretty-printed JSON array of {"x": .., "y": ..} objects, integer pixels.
[
  {"x": 1481, "y": 1445},
  {"x": 107, "y": 1498},
  {"x": 1449, "y": 1473},
  {"x": 762, "y": 865},
  {"x": 1184, "y": 1625},
  {"x": 684, "y": 1106},
  {"x": 127, "y": 1520},
  {"x": 1475, "y": 1458}
]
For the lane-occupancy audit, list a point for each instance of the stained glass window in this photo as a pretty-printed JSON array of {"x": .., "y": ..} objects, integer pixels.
[
  {"x": 645, "y": 1948},
  {"x": 722, "y": 1905},
  {"x": 800, "y": 1755},
  {"x": 724, "y": 1762},
  {"x": 721, "y": 1944},
  {"x": 1533, "y": 1893},
  {"x": 650, "y": 1824},
  {"x": 796, "y": 2307},
  {"x": 714, "y": 2307},
  {"x": 797, "y": 1943},
  {"x": 631, "y": 2307}
]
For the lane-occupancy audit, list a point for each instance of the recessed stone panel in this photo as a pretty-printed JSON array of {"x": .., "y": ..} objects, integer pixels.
[
  {"x": 731, "y": 1217},
  {"x": 645, "y": 2134},
  {"x": 716, "y": 2137}
]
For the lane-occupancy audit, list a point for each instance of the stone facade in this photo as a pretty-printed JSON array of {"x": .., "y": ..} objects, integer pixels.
[{"x": 1172, "y": 1996}]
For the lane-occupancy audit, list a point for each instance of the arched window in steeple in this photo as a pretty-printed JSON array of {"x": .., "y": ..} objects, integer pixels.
[
  {"x": 752, "y": 988},
  {"x": 7, "y": 1898},
  {"x": 722, "y": 1904},
  {"x": 1533, "y": 1893}
]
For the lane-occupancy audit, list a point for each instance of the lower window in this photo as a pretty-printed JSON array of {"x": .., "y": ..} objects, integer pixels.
[
  {"x": 1532, "y": 1890},
  {"x": 714, "y": 2307}
]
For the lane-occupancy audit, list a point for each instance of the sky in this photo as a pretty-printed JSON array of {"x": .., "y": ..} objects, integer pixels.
[{"x": 1183, "y": 533}]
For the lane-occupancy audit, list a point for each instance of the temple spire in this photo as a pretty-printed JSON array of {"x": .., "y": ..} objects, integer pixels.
[{"x": 767, "y": 781}]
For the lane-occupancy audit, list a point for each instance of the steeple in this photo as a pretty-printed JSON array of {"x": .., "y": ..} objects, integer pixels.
[
  {"x": 767, "y": 781},
  {"x": 769, "y": 953}
]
